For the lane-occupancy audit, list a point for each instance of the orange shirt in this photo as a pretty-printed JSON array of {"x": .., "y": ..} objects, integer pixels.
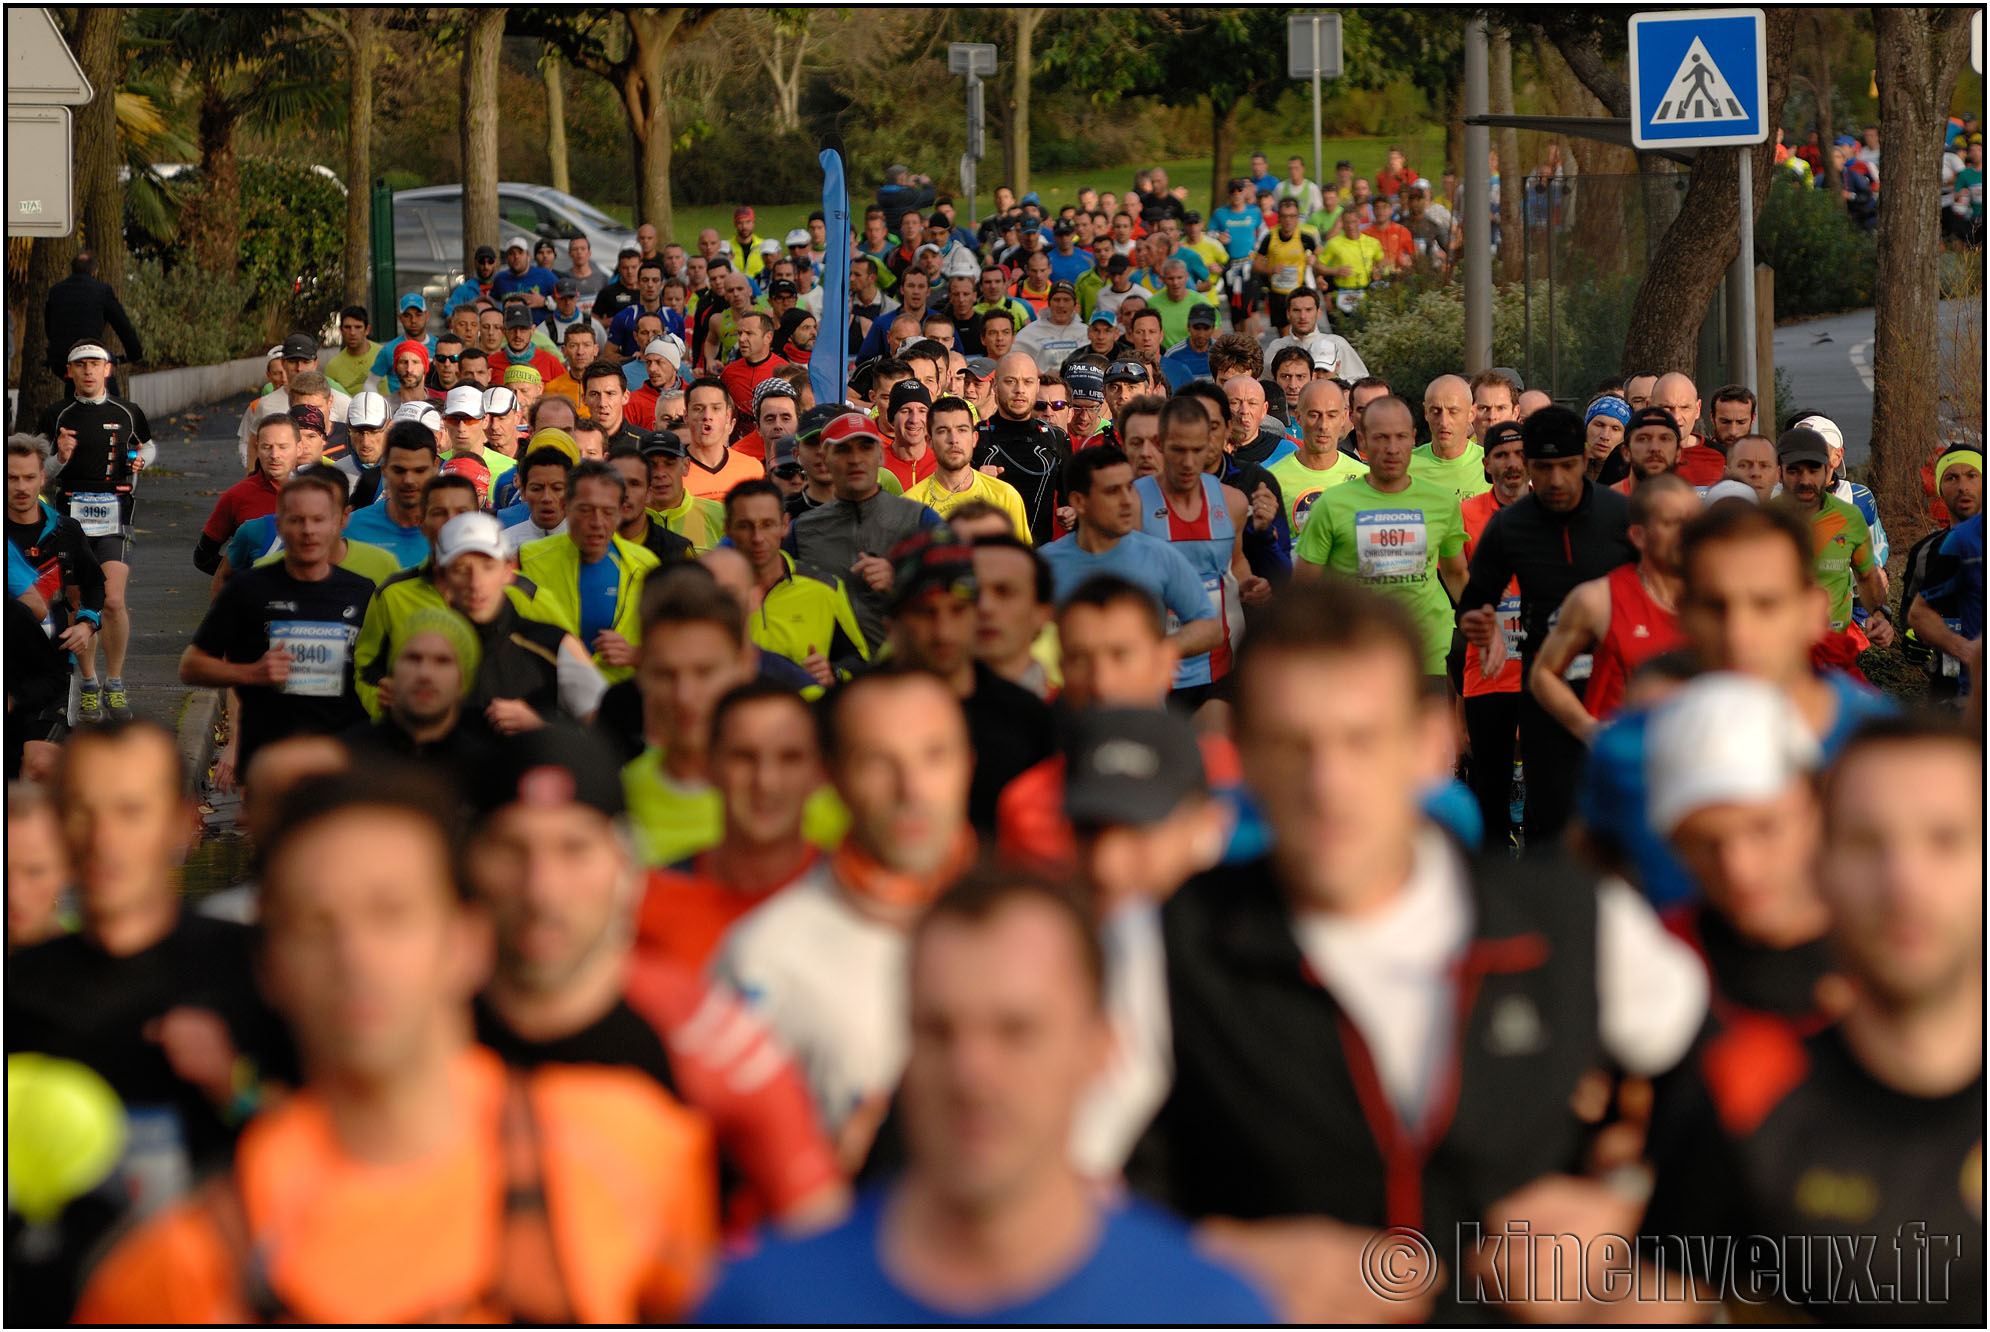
[
  {"x": 564, "y": 385},
  {"x": 1397, "y": 244},
  {"x": 712, "y": 484},
  {"x": 629, "y": 1176},
  {"x": 685, "y": 912},
  {"x": 1478, "y": 511}
]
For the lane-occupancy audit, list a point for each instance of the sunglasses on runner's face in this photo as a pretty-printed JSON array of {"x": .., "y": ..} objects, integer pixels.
[
  {"x": 1057, "y": 405},
  {"x": 670, "y": 423},
  {"x": 788, "y": 471},
  {"x": 451, "y": 359}
]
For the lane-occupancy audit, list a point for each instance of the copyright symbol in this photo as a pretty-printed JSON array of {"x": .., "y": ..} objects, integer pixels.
[{"x": 1398, "y": 1264}]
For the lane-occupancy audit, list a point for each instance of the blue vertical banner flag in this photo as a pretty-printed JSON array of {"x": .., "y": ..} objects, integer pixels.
[{"x": 829, "y": 364}]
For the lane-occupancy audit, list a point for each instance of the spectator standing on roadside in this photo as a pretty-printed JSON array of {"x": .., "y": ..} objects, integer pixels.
[{"x": 79, "y": 308}]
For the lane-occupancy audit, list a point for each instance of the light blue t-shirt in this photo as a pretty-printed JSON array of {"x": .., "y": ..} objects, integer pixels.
[
  {"x": 252, "y": 540},
  {"x": 1143, "y": 1269},
  {"x": 1242, "y": 225},
  {"x": 1142, "y": 560},
  {"x": 409, "y": 545}
]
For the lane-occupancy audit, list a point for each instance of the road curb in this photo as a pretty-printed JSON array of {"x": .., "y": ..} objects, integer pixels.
[{"x": 196, "y": 734}]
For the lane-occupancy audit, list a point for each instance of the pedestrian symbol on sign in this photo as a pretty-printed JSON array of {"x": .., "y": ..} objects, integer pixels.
[{"x": 1698, "y": 91}]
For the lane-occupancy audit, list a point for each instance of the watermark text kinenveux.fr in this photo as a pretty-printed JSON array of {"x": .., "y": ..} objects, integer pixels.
[{"x": 1515, "y": 1263}]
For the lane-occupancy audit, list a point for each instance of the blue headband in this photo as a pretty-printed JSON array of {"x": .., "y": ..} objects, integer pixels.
[{"x": 1613, "y": 407}]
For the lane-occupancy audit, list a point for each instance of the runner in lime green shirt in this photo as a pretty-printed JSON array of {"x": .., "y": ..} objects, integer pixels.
[
  {"x": 1319, "y": 464},
  {"x": 1452, "y": 458},
  {"x": 1400, "y": 535}
]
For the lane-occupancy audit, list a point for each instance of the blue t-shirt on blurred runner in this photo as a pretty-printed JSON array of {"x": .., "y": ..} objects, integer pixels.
[
  {"x": 1143, "y": 1270},
  {"x": 599, "y": 582},
  {"x": 1242, "y": 225}
]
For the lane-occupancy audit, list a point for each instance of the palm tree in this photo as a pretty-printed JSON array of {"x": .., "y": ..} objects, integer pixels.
[{"x": 237, "y": 66}]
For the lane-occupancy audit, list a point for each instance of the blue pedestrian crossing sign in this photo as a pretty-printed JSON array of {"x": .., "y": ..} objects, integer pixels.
[{"x": 1699, "y": 78}]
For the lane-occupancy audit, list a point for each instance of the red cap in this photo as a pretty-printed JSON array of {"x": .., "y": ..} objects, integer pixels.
[{"x": 850, "y": 426}]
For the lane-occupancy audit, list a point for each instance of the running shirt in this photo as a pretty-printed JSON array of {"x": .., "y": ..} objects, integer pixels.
[
  {"x": 1360, "y": 254},
  {"x": 1141, "y": 1268},
  {"x": 1392, "y": 543},
  {"x": 688, "y": 908},
  {"x": 316, "y": 623},
  {"x": 712, "y": 483},
  {"x": 1842, "y": 548},
  {"x": 1302, "y": 485},
  {"x": 109, "y": 432},
  {"x": 1241, "y": 226},
  {"x": 673, "y": 819},
  {"x": 376, "y": 527},
  {"x": 910, "y": 474},
  {"x": 1477, "y": 512},
  {"x": 1208, "y": 541},
  {"x": 1639, "y": 630},
  {"x": 1143, "y": 560},
  {"x": 1464, "y": 475},
  {"x": 702, "y": 522},
  {"x": 630, "y": 1171},
  {"x": 992, "y": 489},
  {"x": 369, "y": 562},
  {"x": 1290, "y": 259}
]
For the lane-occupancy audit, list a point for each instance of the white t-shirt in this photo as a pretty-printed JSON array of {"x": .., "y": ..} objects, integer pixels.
[
  {"x": 830, "y": 981},
  {"x": 1349, "y": 366},
  {"x": 1050, "y": 343},
  {"x": 1393, "y": 971},
  {"x": 519, "y": 533},
  {"x": 1128, "y": 1092}
]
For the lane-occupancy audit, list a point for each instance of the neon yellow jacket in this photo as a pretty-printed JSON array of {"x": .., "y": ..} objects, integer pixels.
[{"x": 553, "y": 565}]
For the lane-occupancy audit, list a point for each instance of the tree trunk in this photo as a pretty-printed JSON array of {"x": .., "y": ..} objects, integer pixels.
[
  {"x": 1820, "y": 86},
  {"x": 1017, "y": 140},
  {"x": 1454, "y": 135},
  {"x": 1223, "y": 150},
  {"x": 1692, "y": 257},
  {"x": 48, "y": 263},
  {"x": 553, "y": 70},
  {"x": 643, "y": 97},
  {"x": 99, "y": 194},
  {"x": 784, "y": 72},
  {"x": 361, "y": 24},
  {"x": 483, "y": 32},
  {"x": 1506, "y": 142},
  {"x": 213, "y": 231},
  {"x": 1920, "y": 53}
]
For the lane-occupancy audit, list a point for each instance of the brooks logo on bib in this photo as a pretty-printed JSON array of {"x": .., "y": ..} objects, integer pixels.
[
  {"x": 317, "y": 656},
  {"x": 1392, "y": 545}
]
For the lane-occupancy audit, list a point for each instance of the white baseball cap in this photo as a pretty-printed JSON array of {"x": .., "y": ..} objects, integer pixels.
[
  {"x": 89, "y": 351},
  {"x": 1730, "y": 489},
  {"x": 1326, "y": 357},
  {"x": 797, "y": 237},
  {"x": 770, "y": 247},
  {"x": 368, "y": 411},
  {"x": 1824, "y": 426},
  {"x": 275, "y": 354},
  {"x": 518, "y": 243},
  {"x": 499, "y": 401},
  {"x": 464, "y": 400},
  {"x": 419, "y": 411},
  {"x": 1723, "y": 739},
  {"x": 470, "y": 534}
]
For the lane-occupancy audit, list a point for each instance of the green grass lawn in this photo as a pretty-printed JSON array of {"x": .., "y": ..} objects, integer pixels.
[{"x": 1057, "y": 188}]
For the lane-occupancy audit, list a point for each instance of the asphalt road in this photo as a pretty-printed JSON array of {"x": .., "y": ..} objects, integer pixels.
[
  {"x": 197, "y": 461},
  {"x": 1829, "y": 361}
]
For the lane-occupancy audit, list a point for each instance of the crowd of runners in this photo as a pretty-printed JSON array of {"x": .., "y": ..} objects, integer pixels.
[{"x": 1131, "y": 815}]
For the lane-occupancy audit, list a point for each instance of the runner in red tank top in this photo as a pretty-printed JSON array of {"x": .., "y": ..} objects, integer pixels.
[
  {"x": 1641, "y": 627},
  {"x": 1624, "y": 618}
]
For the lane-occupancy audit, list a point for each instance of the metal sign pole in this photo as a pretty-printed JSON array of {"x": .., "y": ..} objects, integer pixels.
[
  {"x": 968, "y": 179},
  {"x": 1741, "y": 285},
  {"x": 1318, "y": 167}
]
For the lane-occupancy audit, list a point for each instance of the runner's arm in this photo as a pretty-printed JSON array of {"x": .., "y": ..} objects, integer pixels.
[
  {"x": 1583, "y": 619},
  {"x": 580, "y": 682},
  {"x": 1932, "y": 629},
  {"x": 1452, "y": 572}
]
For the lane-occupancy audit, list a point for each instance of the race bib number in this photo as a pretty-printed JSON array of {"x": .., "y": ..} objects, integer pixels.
[
  {"x": 1508, "y": 616},
  {"x": 317, "y": 656},
  {"x": 1286, "y": 278},
  {"x": 1391, "y": 545},
  {"x": 155, "y": 1169},
  {"x": 1348, "y": 299},
  {"x": 97, "y": 514}
]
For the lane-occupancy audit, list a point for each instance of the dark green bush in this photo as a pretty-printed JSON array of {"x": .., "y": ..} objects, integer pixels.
[
  {"x": 190, "y": 317},
  {"x": 736, "y": 162},
  {"x": 290, "y": 266},
  {"x": 1823, "y": 262}
]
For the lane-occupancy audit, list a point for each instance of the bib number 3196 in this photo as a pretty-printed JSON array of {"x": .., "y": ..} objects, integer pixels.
[{"x": 96, "y": 514}]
